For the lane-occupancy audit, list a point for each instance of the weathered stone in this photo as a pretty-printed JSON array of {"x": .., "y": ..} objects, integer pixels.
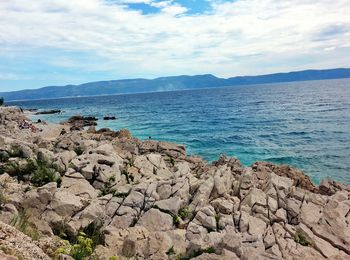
[
  {"x": 148, "y": 146},
  {"x": 206, "y": 216},
  {"x": 272, "y": 204},
  {"x": 255, "y": 197},
  {"x": 78, "y": 186},
  {"x": 21, "y": 245},
  {"x": 45, "y": 155},
  {"x": 158, "y": 245},
  {"x": 129, "y": 246},
  {"x": 330, "y": 187},
  {"x": 310, "y": 213},
  {"x": 269, "y": 238},
  {"x": 222, "y": 181},
  {"x": 256, "y": 226},
  {"x": 281, "y": 215},
  {"x": 325, "y": 248},
  {"x": 62, "y": 160},
  {"x": 299, "y": 178},
  {"x": 202, "y": 195},
  {"x": 172, "y": 149},
  {"x": 155, "y": 220},
  {"x": 65, "y": 204},
  {"x": 169, "y": 205},
  {"x": 333, "y": 225},
  {"x": 223, "y": 206}
]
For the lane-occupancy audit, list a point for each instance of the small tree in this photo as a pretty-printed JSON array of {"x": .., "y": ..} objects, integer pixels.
[{"x": 1, "y": 101}]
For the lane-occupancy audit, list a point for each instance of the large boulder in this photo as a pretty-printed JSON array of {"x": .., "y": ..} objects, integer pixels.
[
  {"x": 76, "y": 184},
  {"x": 155, "y": 220}
]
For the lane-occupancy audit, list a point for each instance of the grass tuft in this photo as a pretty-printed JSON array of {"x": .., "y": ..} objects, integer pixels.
[
  {"x": 302, "y": 239},
  {"x": 21, "y": 222},
  {"x": 184, "y": 212}
]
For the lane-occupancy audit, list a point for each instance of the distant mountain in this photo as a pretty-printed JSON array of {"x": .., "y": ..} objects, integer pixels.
[{"x": 168, "y": 83}]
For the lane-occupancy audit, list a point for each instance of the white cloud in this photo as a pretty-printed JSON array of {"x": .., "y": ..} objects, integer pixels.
[{"x": 240, "y": 37}]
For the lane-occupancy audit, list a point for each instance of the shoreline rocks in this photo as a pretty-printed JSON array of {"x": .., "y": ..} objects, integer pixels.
[
  {"x": 48, "y": 112},
  {"x": 149, "y": 200},
  {"x": 109, "y": 118},
  {"x": 79, "y": 122}
]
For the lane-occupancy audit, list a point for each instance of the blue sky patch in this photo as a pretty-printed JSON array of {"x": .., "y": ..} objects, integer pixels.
[{"x": 144, "y": 8}]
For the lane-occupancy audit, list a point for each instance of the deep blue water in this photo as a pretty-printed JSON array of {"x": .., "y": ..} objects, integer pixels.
[{"x": 304, "y": 124}]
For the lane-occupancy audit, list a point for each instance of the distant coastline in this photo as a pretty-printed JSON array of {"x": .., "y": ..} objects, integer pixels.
[
  {"x": 10, "y": 102},
  {"x": 163, "y": 84}
]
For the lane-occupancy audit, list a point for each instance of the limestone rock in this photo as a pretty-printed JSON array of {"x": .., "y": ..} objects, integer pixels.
[
  {"x": 155, "y": 220},
  {"x": 206, "y": 217},
  {"x": 77, "y": 185},
  {"x": 21, "y": 245}
]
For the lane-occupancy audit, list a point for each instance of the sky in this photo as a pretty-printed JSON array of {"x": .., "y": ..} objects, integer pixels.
[{"x": 59, "y": 42}]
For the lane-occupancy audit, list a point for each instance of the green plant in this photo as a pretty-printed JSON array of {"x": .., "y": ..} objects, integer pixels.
[
  {"x": 41, "y": 173},
  {"x": 4, "y": 156},
  {"x": 302, "y": 239},
  {"x": 176, "y": 221},
  {"x": 209, "y": 250},
  {"x": 10, "y": 167},
  {"x": 44, "y": 174},
  {"x": 184, "y": 212},
  {"x": 113, "y": 258},
  {"x": 130, "y": 162},
  {"x": 181, "y": 257},
  {"x": 108, "y": 187},
  {"x": 93, "y": 231},
  {"x": 112, "y": 179},
  {"x": 21, "y": 222},
  {"x": 2, "y": 101},
  {"x": 82, "y": 245},
  {"x": 83, "y": 248},
  {"x": 16, "y": 152},
  {"x": 65, "y": 249},
  {"x": 171, "y": 251},
  {"x": 129, "y": 177},
  {"x": 79, "y": 150},
  {"x": 60, "y": 230},
  {"x": 217, "y": 220},
  {"x": 20, "y": 171}
]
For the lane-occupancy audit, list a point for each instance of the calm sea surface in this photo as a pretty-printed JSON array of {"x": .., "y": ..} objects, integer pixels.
[{"x": 304, "y": 124}]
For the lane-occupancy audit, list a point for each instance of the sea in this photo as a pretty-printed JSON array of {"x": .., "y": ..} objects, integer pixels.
[{"x": 303, "y": 124}]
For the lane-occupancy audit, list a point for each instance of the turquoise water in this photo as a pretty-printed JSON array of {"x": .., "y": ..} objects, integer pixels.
[{"x": 304, "y": 124}]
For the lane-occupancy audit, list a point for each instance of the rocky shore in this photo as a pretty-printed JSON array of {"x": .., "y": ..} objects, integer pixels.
[{"x": 71, "y": 192}]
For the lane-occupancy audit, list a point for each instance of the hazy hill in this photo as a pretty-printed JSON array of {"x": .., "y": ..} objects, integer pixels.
[{"x": 168, "y": 83}]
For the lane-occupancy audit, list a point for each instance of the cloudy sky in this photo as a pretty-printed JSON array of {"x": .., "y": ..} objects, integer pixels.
[{"x": 58, "y": 42}]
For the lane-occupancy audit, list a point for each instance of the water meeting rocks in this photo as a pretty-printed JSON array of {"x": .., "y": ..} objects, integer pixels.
[{"x": 150, "y": 200}]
